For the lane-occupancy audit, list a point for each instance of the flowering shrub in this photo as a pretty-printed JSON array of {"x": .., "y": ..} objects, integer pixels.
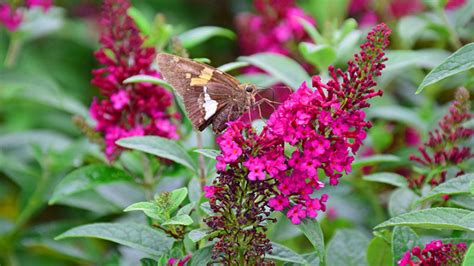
[
  {"x": 435, "y": 253},
  {"x": 275, "y": 28},
  {"x": 323, "y": 127},
  {"x": 127, "y": 110},
  {"x": 447, "y": 143},
  {"x": 328, "y": 171}
]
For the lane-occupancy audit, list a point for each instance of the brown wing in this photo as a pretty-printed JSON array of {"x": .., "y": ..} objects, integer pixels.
[
  {"x": 205, "y": 103},
  {"x": 205, "y": 90},
  {"x": 183, "y": 73}
]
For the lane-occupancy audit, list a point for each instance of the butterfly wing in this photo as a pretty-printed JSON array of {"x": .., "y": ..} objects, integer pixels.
[{"x": 206, "y": 91}]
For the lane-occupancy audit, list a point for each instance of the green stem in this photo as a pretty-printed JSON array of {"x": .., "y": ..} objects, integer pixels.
[
  {"x": 13, "y": 51},
  {"x": 35, "y": 201},
  {"x": 202, "y": 164},
  {"x": 453, "y": 35},
  {"x": 149, "y": 180}
]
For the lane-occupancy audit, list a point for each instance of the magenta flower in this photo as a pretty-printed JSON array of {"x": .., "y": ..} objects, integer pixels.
[
  {"x": 275, "y": 28},
  {"x": 10, "y": 18},
  {"x": 323, "y": 127},
  {"x": 209, "y": 191},
  {"x": 179, "y": 262},
  {"x": 365, "y": 10},
  {"x": 45, "y": 4},
  {"x": 127, "y": 109},
  {"x": 445, "y": 145},
  {"x": 434, "y": 253},
  {"x": 401, "y": 8},
  {"x": 454, "y": 4}
]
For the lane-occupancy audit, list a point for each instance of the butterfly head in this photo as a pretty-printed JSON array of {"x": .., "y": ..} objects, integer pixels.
[{"x": 250, "y": 91}]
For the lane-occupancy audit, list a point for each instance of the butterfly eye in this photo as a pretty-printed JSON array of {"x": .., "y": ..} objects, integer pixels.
[{"x": 248, "y": 89}]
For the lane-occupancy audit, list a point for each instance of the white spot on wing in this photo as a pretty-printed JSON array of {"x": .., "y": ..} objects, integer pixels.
[{"x": 210, "y": 106}]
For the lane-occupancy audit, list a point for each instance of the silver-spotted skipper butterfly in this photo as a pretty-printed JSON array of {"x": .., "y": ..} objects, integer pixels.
[{"x": 210, "y": 96}]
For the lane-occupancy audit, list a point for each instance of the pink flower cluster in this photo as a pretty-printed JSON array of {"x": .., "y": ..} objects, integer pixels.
[
  {"x": 435, "y": 253},
  {"x": 275, "y": 28},
  {"x": 179, "y": 262},
  {"x": 127, "y": 109},
  {"x": 323, "y": 128},
  {"x": 12, "y": 17},
  {"x": 445, "y": 145},
  {"x": 365, "y": 11}
]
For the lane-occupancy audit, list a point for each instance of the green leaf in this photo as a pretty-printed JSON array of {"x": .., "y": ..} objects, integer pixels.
[
  {"x": 282, "y": 253},
  {"x": 197, "y": 234},
  {"x": 91, "y": 200},
  {"x": 87, "y": 178},
  {"x": 194, "y": 191},
  {"x": 387, "y": 178},
  {"x": 454, "y": 186},
  {"x": 150, "y": 209},
  {"x": 68, "y": 249},
  {"x": 399, "y": 60},
  {"x": 403, "y": 239},
  {"x": 463, "y": 15},
  {"x": 434, "y": 218},
  {"x": 469, "y": 257},
  {"x": 140, "y": 20},
  {"x": 199, "y": 35},
  {"x": 202, "y": 60},
  {"x": 375, "y": 159},
  {"x": 201, "y": 256},
  {"x": 320, "y": 55},
  {"x": 148, "y": 262},
  {"x": 232, "y": 66},
  {"x": 281, "y": 67},
  {"x": 412, "y": 28},
  {"x": 158, "y": 82},
  {"x": 312, "y": 31},
  {"x": 397, "y": 113},
  {"x": 179, "y": 220},
  {"x": 465, "y": 201},
  {"x": 460, "y": 61},
  {"x": 161, "y": 147},
  {"x": 177, "y": 197},
  {"x": 149, "y": 79},
  {"x": 348, "y": 26},
  {"x": 209, "y": 153},
  {"x": 471, "y": 188},
  {"x": 313, "y": 232},
  {"x": 16, "y": 86},
  {"x": 259, "y": 79},
  {"x": 186, "y": 209},
  {"x": 379, "y": 252},
  {"x": 401, "y": 201},
  {"x": 133, "y": 235},
  {"x": 347, "y": 247}
]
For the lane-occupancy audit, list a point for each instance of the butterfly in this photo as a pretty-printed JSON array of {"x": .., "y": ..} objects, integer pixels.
[{"x": 210, "y": 96}]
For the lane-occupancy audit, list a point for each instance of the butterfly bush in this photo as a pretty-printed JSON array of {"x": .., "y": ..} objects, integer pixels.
[
  {"x": 435, "y": 253},
  {"x": 127, "y": 109},
  {"x": 275, "y": 28},
  {"x": 11, "y": 16},
  {"x": 365, "y": 10},
  {"x": 308, "y": 142},
  {"x": 446, "y": 144}
]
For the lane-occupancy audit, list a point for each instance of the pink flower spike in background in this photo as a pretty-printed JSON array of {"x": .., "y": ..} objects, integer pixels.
[
  {"x": 435, "y": 253},
  {"x": 10, "y": 18},
  {"x": 45, "y": 4},
  {"x": 127, "y": 110}
]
